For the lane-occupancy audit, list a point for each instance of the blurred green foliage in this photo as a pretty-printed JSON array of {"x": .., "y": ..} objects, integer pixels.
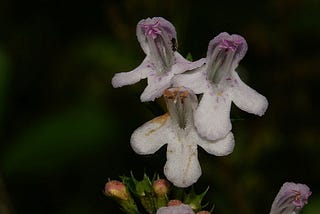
[
  {"x": 65, "y": 130},
  {"x": 56, "y": 140}
]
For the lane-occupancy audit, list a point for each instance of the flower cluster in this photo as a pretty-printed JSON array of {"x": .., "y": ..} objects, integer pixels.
[
  {"x": 198, "y": 96},
  {"x": 189, "y": 122}
]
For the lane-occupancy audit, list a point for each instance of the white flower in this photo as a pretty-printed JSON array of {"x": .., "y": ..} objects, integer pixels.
[
  {"x": 220, "y": 85},
  {"x": 291, "y": 198},
  {"x": 179, "y": 209},
  {"x": 158, "y": 40},
  {"x": 176, "y": 129}
]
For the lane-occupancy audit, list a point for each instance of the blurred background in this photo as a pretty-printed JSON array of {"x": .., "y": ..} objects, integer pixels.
[{"x": 65, "y": 130}]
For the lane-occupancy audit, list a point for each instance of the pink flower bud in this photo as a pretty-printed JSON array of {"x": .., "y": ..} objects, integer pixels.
[
  {"x": 116, "y": 189},
  {"x": 161, "y": 187}
]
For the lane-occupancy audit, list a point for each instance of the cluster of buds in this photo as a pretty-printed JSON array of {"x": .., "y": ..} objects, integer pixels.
[{"x": 153, "y": 196}]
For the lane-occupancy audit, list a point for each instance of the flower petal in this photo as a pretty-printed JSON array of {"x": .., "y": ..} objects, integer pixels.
[
  {"x": 224, "y": 53},
  {"x": 131, "y": 77},
  {"x": 151, "y": 136},
  {"x": 247, "y": 98},
  {"x": 195, "y": 80},
  {"x": 225, "y": 41},
  {"x": 181, "y": 64},
  {"x": 219, "y": 147},
  {"x": 178, "y": 209},
  {"x": 212, "y": 117},
  {"x": 161, "y": 26},
  {"x": 157, "y": 83},
  {"x": 182, "y": 167},
  {"x": 291, "y": 198}
]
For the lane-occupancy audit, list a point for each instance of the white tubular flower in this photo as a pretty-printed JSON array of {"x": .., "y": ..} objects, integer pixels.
[
  {"x": 176, "y": 129},
  {"x": 220, "y": 84},
  {"x": 158, "y": 39},
  {"x": 291, "y": 198},
  {"x": 179, "y": 209}
]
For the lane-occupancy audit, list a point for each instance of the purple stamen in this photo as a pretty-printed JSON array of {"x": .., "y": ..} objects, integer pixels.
[
  {"x": 152, "y": 30},
  {"x": 229, "y": 44}
]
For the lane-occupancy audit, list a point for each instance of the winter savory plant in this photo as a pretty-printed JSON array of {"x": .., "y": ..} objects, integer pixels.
[{"x": 191, "y": 121}]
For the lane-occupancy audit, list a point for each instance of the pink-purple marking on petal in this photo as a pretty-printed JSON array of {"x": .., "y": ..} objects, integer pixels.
[
  {"x": 232, "y": 45},
  {"x": 152, "y": 30},
  {"x": 300, "y": 198}
]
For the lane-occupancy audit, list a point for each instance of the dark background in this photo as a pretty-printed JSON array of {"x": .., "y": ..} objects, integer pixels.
[{"x": 65, "y": 130}]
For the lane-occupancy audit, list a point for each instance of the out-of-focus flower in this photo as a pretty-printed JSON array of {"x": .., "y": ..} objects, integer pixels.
[
  {"x": 291, "y": 198},
  {"x": 176, "y": 129},
  {"x": 178, "y": 209},
  {"x": 158, "y": 40},
  {"x": 220, "y": 85}
]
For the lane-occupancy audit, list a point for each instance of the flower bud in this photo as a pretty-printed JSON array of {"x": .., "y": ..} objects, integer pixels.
[
  {"x": 161, "y": 187},
  {"x": 117, "y": 190}
]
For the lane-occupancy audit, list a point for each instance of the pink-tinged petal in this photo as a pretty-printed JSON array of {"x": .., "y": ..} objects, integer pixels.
[
  {"x": 246, "y": 98},
  {"x": 153, "y": 28},
  {"x": 219, "y": 147},
  {"x": 291, "y": 198},
  {"x": 131, "y": 77},
  {"x": 212, "y": 117},
  {"x": 182, "y": 167},
  {"x": 151, "y": 136},
  {"x": 224, "y": 53},
  {"x": 178, "y": 209},
  {"x": 195, "y": 80},
  {"x": 157, "y": 83},
  {"x": 233, "y": 42},
  {"x": 158, "y": 39}
]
